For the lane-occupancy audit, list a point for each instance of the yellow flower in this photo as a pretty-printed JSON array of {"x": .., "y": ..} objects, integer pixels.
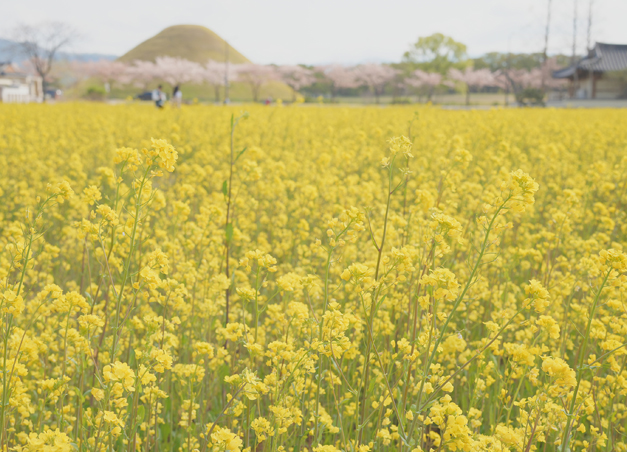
[
  {"x": 62, "y": 190},
  {"x": 225, "y": 440},
  {"x": 136, "y": 299},
  {"x": 111, "y": 418},
  {"x": 400, "y": 145},
  {"x": 443, "y": 282},
  {"x": 537, "y": 296},
  {"x": 98, "y": 394},
  {"x": 90, "y": 320},
  {"x": 11, "y": 303},
  {"x": 166, "y": 153},
  {"x": 290, "y": 282},
  {"x": 108, "y": 214},
  {"x": 615, "y": 259},
  {"x": 550, "y": 324},
  {"x": 120, "y": 372},
  {"x": 163, "y": 359},
  {"x": 91, "y": 195},
  {"x": 129, "y": 157},
  {"x": 326, "y": 448},
  {"x": 191, "y": 372},
  {"x": 521, "y": 189},
  {"x": 262, "y": 427},
  {"x": 48, "y": 441},
  {"x": 462, "y": 157},
  {"x": 561, "y": 371},
  {"x": 150, "y": 277}
]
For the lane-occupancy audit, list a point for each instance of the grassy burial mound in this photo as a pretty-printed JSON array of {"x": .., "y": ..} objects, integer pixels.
[
  {"x": 191, "y": 42},
  {"x": 199, "y": 44}
]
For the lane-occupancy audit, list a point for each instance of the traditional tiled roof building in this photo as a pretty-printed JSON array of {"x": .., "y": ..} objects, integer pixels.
[{"x": 600, "y": 75}]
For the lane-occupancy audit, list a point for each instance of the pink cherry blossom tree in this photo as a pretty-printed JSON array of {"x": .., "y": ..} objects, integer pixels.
[
  {"x": 518, "y": 80},
  {"x": 255, "y": 75},
  {"x": 427, "y": 81},
  {"x": 339, "y": 77},
  {"x": 177, "y": 71},
  {"x": 502, "y": 81},
  {"x": 473, "y": 79},
  {"x": 141, "y": 73},
  {"x": 376, "y": 76},
  {"x": 529, "y": 79},
  {"x": 214, "y": 74},
  {"x": 547, "y": 69},
  {"x": 296, "y": 77},
  {"x": 80, "y": 69},
  {"x": 106, "y": 71}
]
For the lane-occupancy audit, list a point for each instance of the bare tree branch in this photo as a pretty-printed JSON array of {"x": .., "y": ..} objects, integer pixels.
[{"x": 41, "y": 44}]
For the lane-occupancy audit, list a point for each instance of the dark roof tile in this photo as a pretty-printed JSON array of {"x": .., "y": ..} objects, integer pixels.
[{"x": 604, "y": 58}]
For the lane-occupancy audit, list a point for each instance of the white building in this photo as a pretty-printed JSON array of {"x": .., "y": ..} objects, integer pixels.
[{"x": 17, "y": 87}]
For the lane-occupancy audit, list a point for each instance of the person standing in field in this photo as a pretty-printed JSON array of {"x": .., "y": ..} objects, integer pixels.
[
  {"x": 159, "y": 97},
  {"x": 177, "y": 96}
]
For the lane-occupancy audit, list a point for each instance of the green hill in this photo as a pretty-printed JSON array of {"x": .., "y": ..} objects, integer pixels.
[{"x": 191, "y": 42}]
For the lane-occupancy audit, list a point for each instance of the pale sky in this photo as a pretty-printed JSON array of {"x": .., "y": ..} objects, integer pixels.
[{"x": 329, "y": 31}]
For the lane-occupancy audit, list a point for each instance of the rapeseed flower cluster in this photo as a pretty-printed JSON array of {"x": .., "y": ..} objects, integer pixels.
[{"x": 310, "y": 278}]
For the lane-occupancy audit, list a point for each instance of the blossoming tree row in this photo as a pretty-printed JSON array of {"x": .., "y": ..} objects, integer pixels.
[{"x": 377, "y": 77}]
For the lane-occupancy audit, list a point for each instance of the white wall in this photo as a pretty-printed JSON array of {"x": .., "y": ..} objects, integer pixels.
[
  {"x": 21, "y": 90},
  {"x": 609, "y": 88},
  {"x": 16, "y": 94}
]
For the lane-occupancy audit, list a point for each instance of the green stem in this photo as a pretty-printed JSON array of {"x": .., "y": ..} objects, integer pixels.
[
  {"x": 373, "y": 305},
  {"x": 127, "y": 266},
  {"x": 320, "y": 328},
  {"x": 582, "y": 354},
  {"x": 7, "y": 332},
  {"x": 458, "y": 301}
]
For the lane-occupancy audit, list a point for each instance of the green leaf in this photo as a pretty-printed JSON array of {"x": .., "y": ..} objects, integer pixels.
[
  {"x": 240, "y": 154},
  {"x": 78, "y": 393},
  {"x": 166, "y": 429},
  {"x": 141, "y": 411},
  {"x": 223, "y": 371},
  {"x": 177, "y": 442},
  {"x": 229, "y": 232},
  {"x": 225, "y": 188}
]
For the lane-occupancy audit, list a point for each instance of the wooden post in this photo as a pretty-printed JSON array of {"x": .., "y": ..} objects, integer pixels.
[
  {"x": 571, "y": 88},
  {"x": 594, "y": 85}
]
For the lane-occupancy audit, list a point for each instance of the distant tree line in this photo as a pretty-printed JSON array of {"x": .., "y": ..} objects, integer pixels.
[
  {"x": 399, "y": 80},
  {"x": 434, "y": 64}
]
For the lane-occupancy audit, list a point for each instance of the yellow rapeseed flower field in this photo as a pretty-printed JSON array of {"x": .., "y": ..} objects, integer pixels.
[{"x": 312, "y": 279}]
